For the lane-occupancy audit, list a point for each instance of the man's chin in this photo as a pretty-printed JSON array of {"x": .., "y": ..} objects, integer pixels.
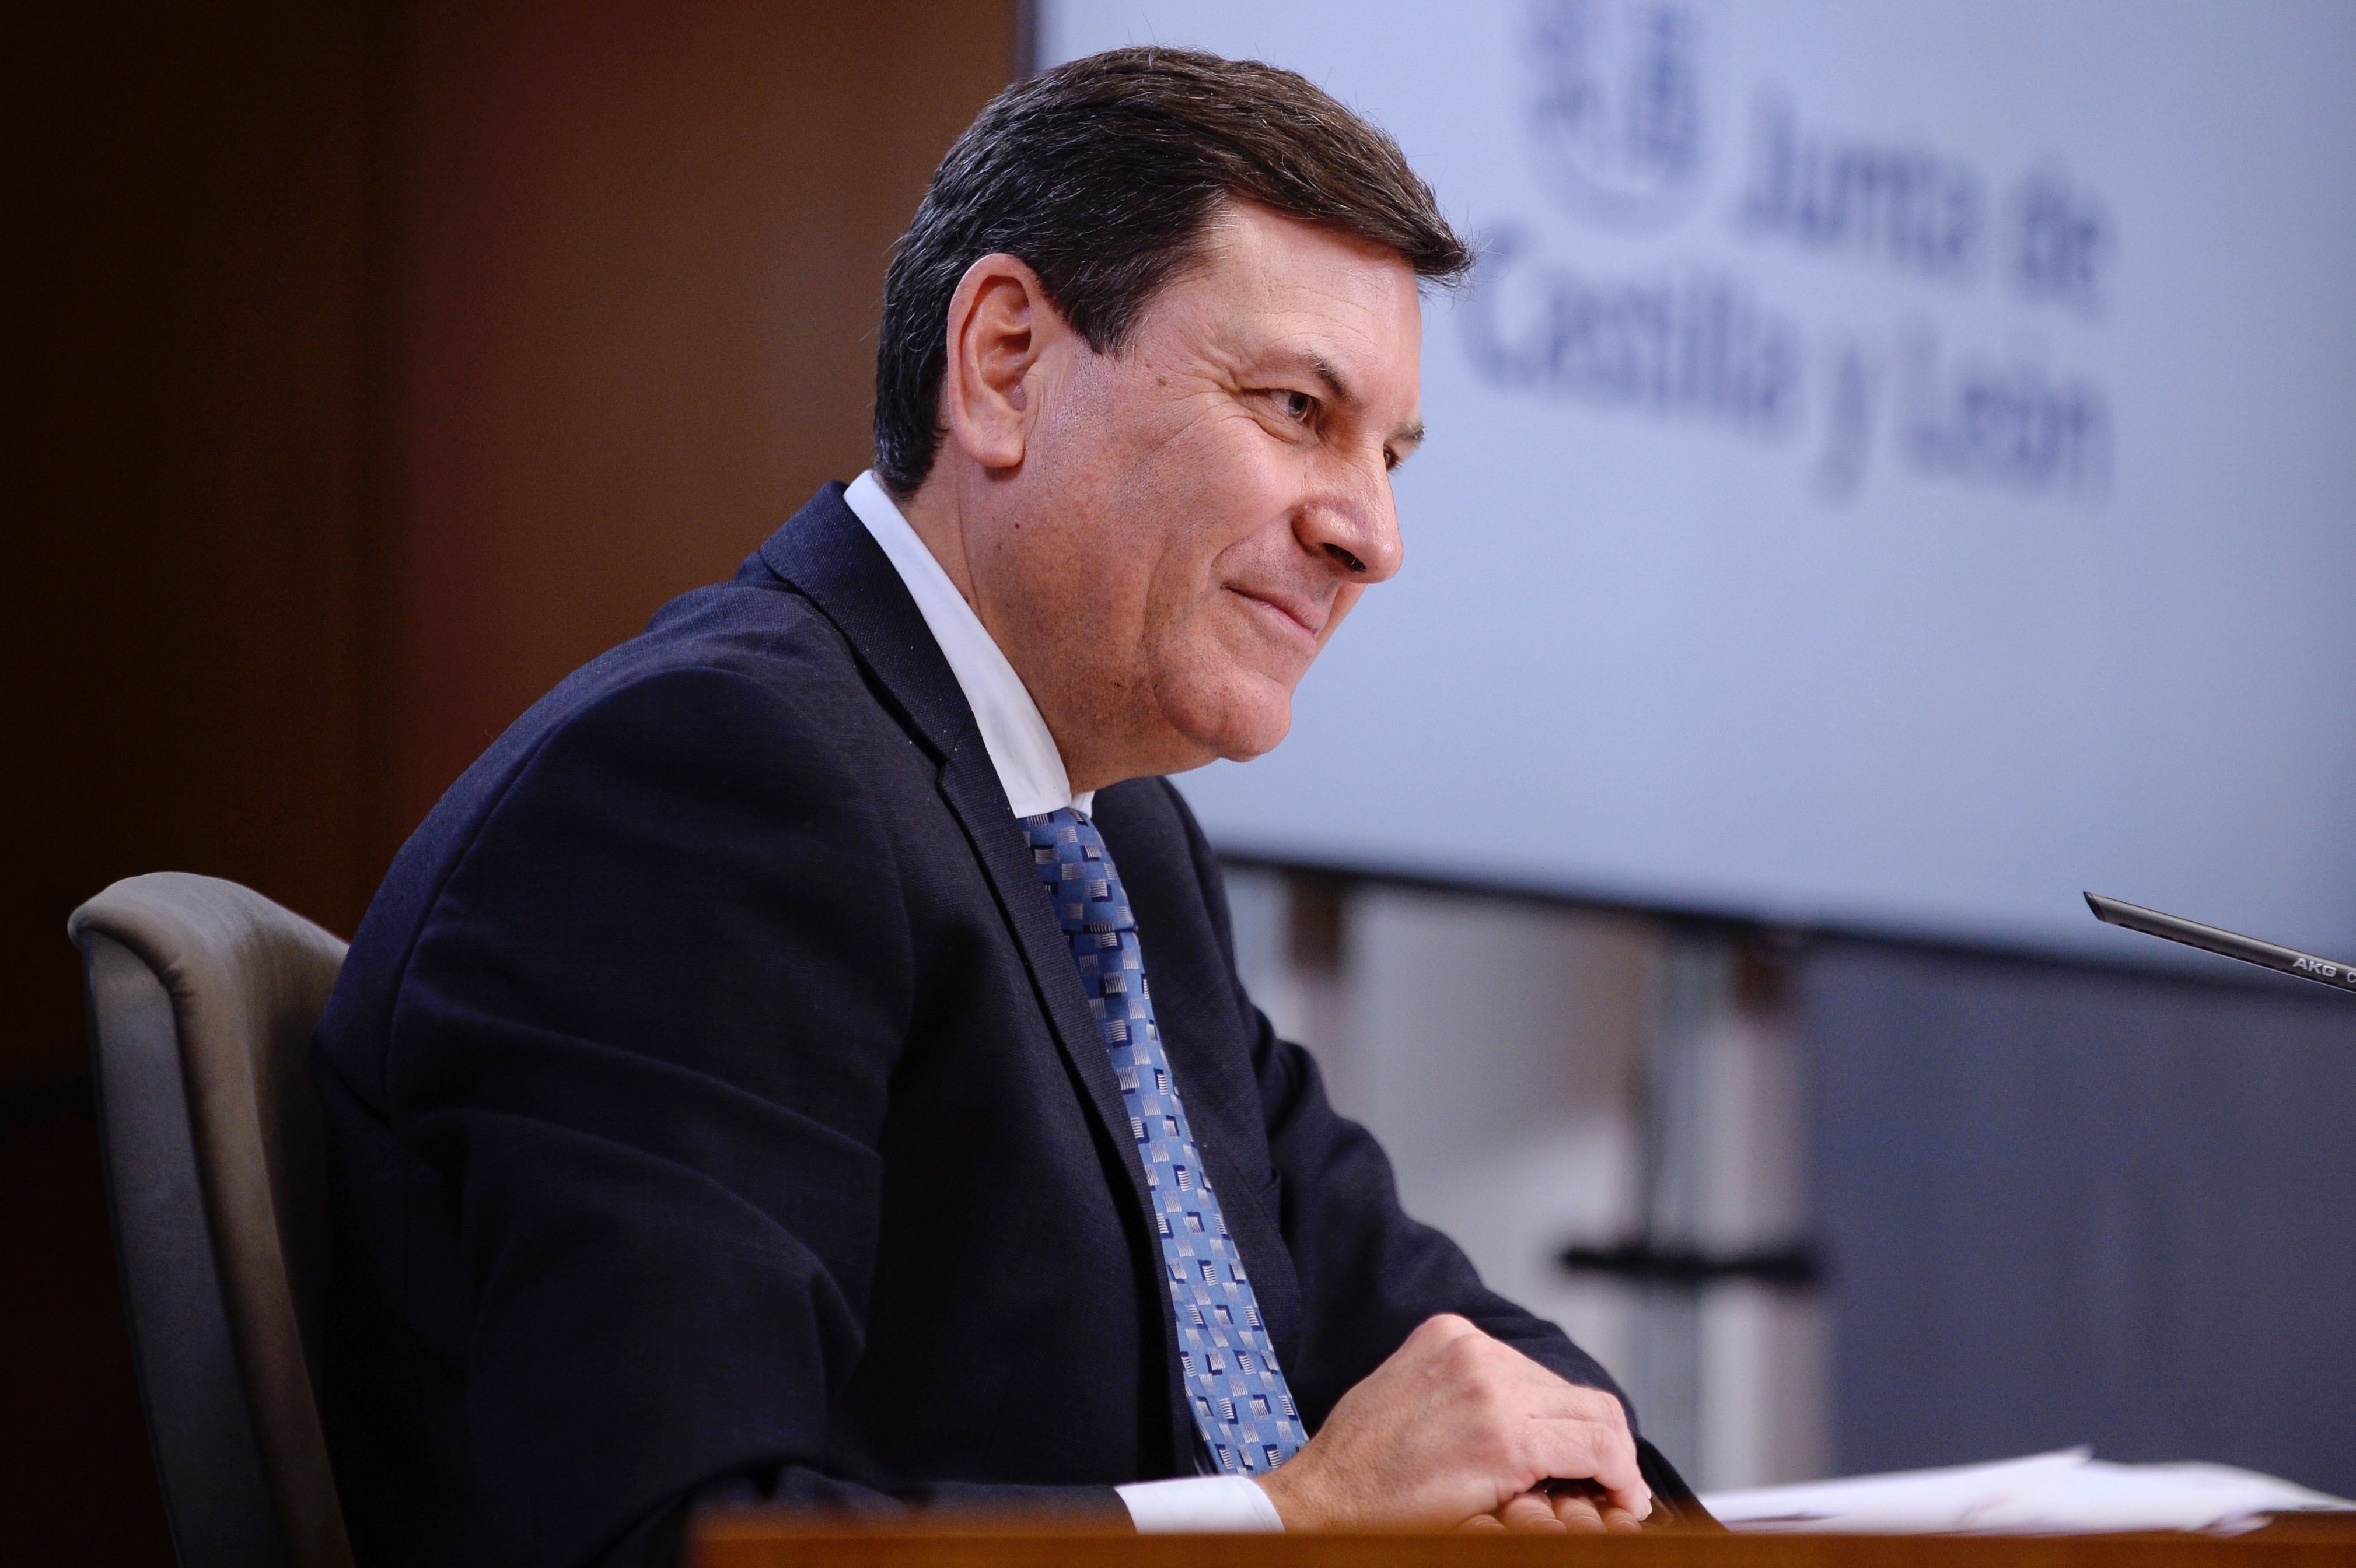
[
  {"x": 1239, "y": 715},
  {"x": 1242, "y": 731},
  {"x": 1243, "y": 752}
]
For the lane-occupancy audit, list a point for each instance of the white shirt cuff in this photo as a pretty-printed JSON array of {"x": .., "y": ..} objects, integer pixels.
[{"x": 1221, "y": 1505}]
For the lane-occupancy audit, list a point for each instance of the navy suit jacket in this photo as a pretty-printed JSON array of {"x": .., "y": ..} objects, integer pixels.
[{"x": 713, "y": 1110}]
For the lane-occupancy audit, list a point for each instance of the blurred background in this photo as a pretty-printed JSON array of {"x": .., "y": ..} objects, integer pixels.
[{"x": 1891, "y": 475}]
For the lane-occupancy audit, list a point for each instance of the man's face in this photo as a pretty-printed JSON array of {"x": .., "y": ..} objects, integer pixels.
[{"x": 1200, "y": 510}]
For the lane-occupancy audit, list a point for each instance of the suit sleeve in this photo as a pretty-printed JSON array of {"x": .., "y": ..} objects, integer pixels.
[
  {"x": 1369, "y": 1274},
  {"x": 644, "y": 1042}
]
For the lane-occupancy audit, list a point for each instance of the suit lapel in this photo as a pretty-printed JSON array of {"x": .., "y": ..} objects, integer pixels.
[{"x": 827, "y": 553}]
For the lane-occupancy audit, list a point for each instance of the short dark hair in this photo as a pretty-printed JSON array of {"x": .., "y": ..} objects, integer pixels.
[{"x": 1100, "y": 176}]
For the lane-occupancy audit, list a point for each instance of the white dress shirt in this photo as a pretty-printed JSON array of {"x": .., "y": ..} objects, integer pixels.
[
  {"x": 1021, "y": 746},
  {"x": 1030, "y": 768}
]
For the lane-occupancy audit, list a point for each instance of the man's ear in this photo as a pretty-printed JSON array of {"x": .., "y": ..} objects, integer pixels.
[{"x": 1000, "y": 324}]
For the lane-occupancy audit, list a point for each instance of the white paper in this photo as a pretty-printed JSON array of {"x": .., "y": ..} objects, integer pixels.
[{"x": 2067, "y": 1492}]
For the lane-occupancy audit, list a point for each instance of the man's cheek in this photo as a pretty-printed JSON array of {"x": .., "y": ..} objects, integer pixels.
[{"x": 1226, "y": 645}]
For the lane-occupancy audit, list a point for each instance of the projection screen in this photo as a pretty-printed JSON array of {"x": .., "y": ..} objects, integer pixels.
[{"x": 1892, "y": 469}]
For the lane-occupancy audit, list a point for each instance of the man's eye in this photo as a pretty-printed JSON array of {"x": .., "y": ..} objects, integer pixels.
[{"x": 1299, "y": 407}]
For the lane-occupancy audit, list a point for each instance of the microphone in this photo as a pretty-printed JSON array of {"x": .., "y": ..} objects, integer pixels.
[{"x": 2340, "y": 977}]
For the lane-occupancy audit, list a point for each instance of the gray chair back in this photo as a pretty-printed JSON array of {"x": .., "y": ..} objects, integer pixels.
[{"x": 202, "y": 997}]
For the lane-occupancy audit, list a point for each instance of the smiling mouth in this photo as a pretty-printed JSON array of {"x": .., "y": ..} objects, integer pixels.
[{"x": 1293, "y": 614}]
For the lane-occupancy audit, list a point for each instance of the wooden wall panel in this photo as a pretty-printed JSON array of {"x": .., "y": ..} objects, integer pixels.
[
  {"x": 646, "y": 255},
  {"x": 377, "y": 362},
  {"x": 182, "y": 643}
]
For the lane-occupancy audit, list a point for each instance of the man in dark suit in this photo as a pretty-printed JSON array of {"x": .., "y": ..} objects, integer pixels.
[{"x": 803, "y": 1059}]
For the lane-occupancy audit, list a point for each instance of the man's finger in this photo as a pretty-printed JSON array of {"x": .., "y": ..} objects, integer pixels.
[
  {"x": 1579, "y": 1514},
  {"x": 1530, "y": 1511},
  {"x": 1580, "y": 1450},
  {"x": 1620, "y": 1521}
]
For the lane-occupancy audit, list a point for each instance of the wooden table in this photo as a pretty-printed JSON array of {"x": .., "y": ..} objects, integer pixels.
[{"x": 771, "y": 1541}]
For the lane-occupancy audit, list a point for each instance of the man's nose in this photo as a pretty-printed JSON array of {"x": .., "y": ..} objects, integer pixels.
[{"x": 1356, "y": 533}]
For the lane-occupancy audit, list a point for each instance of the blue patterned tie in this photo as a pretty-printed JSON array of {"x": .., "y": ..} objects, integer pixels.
[{"x": 1241, "y": 1404}]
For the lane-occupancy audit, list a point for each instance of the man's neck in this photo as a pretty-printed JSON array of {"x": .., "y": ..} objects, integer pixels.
[
  {"x": 942, "y": 515},
  {"x": 934, "y": 513},
  {"x": 937, "y": 516}
]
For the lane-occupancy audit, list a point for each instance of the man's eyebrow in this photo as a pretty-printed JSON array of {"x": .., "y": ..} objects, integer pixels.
[{"x": 1338, "y": 386}]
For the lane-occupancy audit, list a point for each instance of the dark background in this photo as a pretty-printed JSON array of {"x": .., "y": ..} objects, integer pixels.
[
  {"x": 376, "y": 363},
  {"x": 2066, "y": 1205}
]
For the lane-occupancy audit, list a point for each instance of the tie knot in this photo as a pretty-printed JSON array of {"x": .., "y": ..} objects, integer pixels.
[{"x": 1070, "y": 855}]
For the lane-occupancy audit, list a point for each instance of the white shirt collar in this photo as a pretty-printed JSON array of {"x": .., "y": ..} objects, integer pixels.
[{"x": 1021, "y": 746}]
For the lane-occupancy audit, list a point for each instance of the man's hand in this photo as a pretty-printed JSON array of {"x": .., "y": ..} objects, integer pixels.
[
  {"x": 1573, "y": 1507},
  {"x": 1460, "y": 1429}
]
